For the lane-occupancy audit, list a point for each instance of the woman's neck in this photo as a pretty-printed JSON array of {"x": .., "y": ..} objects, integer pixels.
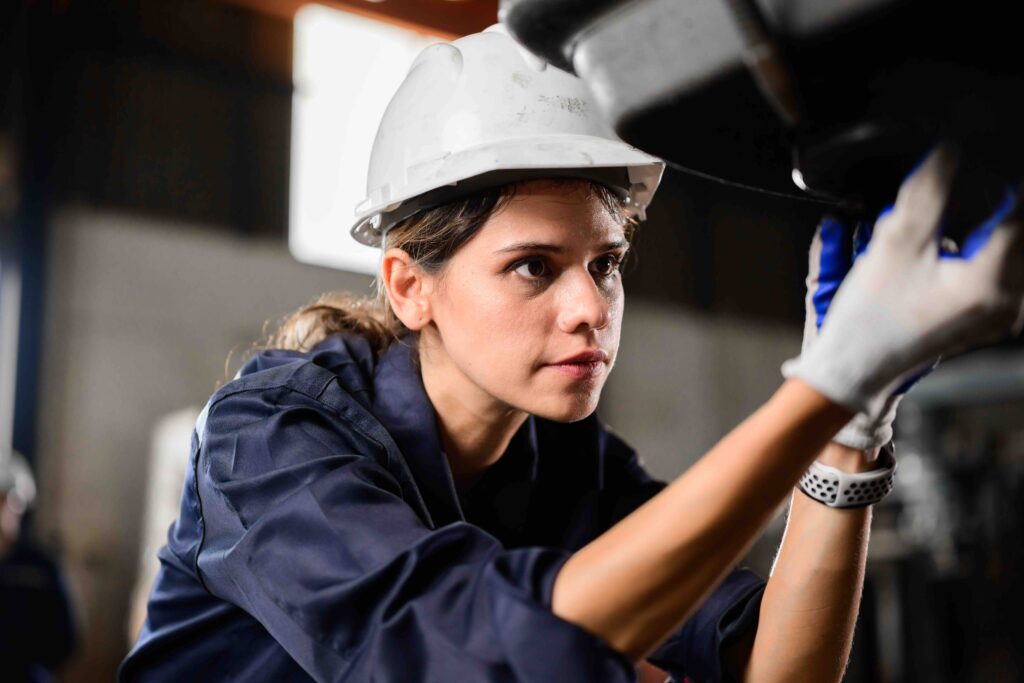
[{"x": 475, "y": 427}]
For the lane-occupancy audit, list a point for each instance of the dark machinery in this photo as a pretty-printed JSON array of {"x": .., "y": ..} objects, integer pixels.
[
  {"x": 831, "y": 100},
  {"x": 834, "y": 101}
]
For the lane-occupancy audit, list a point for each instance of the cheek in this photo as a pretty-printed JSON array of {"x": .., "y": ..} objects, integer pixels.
[
  {"x": 489, "y": 327},
  {"x": 616, "y": 308},
  {"x": 613, "y": 295}
]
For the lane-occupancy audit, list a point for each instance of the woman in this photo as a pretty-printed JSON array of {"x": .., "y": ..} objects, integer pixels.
[{"x": 423, "y": 492}]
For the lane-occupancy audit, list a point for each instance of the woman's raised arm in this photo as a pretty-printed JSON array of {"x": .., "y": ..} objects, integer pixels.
[
  {"x": 638, "y": 582},
  {"x": 900, "y": 307}
]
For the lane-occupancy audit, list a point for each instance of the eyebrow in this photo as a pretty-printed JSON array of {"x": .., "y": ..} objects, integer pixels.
[{"x": 554, "y": 248}]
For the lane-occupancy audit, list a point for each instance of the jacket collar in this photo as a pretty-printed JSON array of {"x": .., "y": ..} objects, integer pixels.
[
  {"x": 401, "y": 403},
  {"x": 391, "y": 387}
]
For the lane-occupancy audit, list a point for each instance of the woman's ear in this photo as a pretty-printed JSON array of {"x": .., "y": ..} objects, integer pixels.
[{"x": 409, "y": 288}]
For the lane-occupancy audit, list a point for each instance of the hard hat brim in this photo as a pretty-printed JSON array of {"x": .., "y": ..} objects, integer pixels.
[{"x": 633, "y": 174}]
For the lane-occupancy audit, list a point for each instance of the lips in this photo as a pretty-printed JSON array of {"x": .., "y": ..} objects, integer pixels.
[
  {"x": 588, "y": 356},
  {"x": 584, "y": 365}
]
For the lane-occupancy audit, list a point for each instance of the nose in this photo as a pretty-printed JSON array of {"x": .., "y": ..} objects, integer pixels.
[{"x": 582, "y": 302}]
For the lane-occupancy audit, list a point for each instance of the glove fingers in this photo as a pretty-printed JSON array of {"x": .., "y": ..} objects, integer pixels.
[
  {"x": 998, "y": 269},
  {"x": 980, "y": 235},
  {"x": 919, "y": 206},
  {"x": 1001, "y": 256}
]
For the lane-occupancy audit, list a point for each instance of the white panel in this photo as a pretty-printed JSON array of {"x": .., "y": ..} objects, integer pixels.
[
  {"x": 346, "y": 68},
  {"x": 10, "y": 316}
]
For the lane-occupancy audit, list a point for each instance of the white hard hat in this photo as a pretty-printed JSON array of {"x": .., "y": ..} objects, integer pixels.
[{"x": 480, "y": 112}]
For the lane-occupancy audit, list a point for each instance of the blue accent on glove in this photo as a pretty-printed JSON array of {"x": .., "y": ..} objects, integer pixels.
[
  {"x": 835, "y": 262},
  {"x": 861, "y": 238},
  {"x": 838, "y": 252}
]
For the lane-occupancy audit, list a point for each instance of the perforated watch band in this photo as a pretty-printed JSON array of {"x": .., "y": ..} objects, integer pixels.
[{"x": 838, "y": 489}]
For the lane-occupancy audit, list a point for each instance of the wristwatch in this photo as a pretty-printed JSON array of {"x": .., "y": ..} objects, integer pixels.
[{"x": 838, "y": 489}]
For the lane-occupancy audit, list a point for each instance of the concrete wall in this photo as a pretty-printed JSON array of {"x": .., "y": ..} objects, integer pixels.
[
  {"x": 141, "y": 315},
  {"x": 140, "y": 318},
  {"x": 683, "y": 380}
]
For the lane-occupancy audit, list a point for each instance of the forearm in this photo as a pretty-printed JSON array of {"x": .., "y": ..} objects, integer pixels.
[
  {"x": 635, "y": 584},
  {"x": 809, "y": 608}
]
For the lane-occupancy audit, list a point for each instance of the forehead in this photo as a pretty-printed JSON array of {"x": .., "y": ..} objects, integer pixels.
[{"x": 543, "y": 211}]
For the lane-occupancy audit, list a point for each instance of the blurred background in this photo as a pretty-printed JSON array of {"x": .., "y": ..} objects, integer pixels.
[{"x": 177, "y": 174}]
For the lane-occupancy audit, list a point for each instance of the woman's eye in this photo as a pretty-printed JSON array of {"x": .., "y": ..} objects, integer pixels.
[
  {"x": 532, "y": 269},
  {"x": 606, "y": 265}
]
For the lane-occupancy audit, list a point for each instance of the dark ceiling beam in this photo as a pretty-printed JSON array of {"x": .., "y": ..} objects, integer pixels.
[{"x": 443, "y": 18}]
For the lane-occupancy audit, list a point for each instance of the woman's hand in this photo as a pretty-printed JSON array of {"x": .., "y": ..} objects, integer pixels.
[
  {"x": 904, "y": 303},
  {"x": 834, "y": 248},
  {"x": 836, "y": 245},
  {"x": 899, "y": 306}
]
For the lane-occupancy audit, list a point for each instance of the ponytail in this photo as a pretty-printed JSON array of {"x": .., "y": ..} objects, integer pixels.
[{"x": 334, "y": 312}]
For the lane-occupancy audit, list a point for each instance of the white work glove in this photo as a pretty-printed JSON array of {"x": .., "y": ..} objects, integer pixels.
[
  {"x": 834, "y": 249},
  {"x": 904, "y": 304}
]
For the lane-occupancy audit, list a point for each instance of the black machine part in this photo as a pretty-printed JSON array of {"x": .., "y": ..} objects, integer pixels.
[{"x": 834, "y": 100}]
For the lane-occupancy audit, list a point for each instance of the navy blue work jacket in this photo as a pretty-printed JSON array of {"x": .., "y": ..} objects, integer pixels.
[{"x": 321, "y": 536}]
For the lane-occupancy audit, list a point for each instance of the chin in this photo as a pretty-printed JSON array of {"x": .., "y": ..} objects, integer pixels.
[{"x": 567, "y": 410}]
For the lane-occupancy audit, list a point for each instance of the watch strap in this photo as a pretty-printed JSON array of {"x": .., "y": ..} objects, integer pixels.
[{"x": 838, "y": 489}]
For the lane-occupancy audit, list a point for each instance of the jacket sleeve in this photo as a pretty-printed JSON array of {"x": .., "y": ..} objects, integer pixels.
[
  {"x": 695, "y": 651},
  {"x": 308, "y": 532}
]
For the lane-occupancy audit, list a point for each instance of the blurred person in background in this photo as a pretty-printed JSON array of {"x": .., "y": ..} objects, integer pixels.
[
  {"x": 416, "y": 489},
  {"x": 168, "y": 458},
  {"x": 37, "y": 631}
]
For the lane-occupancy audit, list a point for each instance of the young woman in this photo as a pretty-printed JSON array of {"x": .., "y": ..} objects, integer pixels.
[{"x": 419, "y": 489}]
